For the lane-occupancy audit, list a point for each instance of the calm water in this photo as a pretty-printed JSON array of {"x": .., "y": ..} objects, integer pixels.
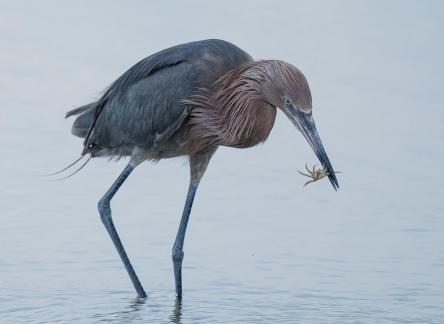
[{"x": 260, "y": 248}]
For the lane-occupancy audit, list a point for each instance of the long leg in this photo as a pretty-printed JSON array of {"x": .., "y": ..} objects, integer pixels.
[
  {"x": 177, "y": 252},
  {"x": 105, "y": 215},
  {"x": 198, "y": 165}
]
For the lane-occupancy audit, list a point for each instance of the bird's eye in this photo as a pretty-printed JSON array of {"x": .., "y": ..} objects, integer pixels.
[{"x": 287, "y": 100}]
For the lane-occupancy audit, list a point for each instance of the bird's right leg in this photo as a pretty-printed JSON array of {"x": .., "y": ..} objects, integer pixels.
[
  {"x": 105, "y": 215},
  {"x": 198, "y": 165}
]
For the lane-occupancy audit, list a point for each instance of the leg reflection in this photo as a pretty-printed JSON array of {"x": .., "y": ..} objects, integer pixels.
[{"x": 176, "y": 315}]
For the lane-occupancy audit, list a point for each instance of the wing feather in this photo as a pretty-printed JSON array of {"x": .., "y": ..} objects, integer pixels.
[
  {"x": 144, "y": 107},
  {"x": 141, "y": 70}
]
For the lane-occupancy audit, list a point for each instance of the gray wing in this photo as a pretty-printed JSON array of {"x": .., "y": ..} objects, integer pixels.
[
  {"x": 122, "y": 107},
  {"x": 148, "y": 112},
  {"x": 142, "y": 107}
]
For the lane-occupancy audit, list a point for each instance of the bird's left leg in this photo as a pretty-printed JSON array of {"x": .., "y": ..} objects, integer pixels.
[
  {"x": 105, "y": 215},
  {"x": 198, "y": 165}
]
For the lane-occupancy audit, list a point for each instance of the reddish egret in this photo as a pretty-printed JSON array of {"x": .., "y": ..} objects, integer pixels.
[{"x": 188, "y": 100}]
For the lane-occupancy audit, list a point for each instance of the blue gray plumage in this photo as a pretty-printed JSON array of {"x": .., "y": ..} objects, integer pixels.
[
  {"x": 188, "y": 100},
  {"x": 151, "y": 91}
]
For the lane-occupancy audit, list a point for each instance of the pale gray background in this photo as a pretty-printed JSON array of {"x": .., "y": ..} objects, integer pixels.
[{"x": 260, "y": 248}]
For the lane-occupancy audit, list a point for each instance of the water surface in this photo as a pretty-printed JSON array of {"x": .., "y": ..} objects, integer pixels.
[{"x": 260, "y": 248}]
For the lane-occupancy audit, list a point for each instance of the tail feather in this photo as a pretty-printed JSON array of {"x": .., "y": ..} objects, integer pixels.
[
  {"x": 85, "y": 116},
  {"x": 77, "y": 111},
  {"x": 80, "y": 168},
  {"x": 69, "y": 167},
  {"x": 84, "y": 120},
  {"x": 65, "y": 168}
]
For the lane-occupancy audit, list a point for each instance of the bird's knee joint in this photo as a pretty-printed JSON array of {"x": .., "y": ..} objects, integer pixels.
[
  {"x": 103, "y": 204},
  {"x": 177, "y": 255},
  {"x": 104, "y": 209}
]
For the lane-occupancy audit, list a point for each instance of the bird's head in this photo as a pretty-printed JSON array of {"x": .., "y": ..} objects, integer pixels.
[{"x": 285, "y": 87}]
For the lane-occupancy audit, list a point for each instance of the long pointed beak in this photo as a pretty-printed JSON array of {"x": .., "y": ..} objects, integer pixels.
[{"x": 306, "y": 125}]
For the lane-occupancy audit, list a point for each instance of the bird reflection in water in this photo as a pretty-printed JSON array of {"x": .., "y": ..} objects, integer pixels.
[{"x": 176, "y": 315}]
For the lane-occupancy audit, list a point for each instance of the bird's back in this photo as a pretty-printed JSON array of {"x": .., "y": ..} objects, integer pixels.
[{"x": 143, "y": 107}]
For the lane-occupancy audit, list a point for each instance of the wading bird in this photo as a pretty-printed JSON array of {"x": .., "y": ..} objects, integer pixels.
[{"x": 188, "y": 100}]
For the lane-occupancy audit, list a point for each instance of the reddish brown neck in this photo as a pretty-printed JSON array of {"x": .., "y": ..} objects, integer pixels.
[{"x": 234, "y": 115}]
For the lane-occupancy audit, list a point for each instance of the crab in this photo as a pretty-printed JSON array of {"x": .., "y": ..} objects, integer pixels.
[{"x": 314, "y": 174}]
